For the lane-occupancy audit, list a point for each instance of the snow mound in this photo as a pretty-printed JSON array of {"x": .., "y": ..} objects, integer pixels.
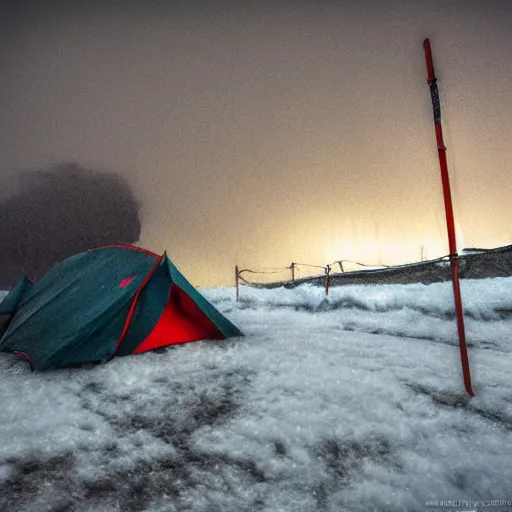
[{"x": 350, "y": 402}]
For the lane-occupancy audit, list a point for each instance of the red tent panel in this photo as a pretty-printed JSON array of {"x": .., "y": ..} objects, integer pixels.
[{"x": 181, "y": 321}]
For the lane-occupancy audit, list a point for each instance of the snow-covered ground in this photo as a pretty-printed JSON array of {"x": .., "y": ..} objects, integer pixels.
[{"x": 353, "y": 402}]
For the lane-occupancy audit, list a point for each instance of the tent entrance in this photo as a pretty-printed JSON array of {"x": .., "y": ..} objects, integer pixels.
[{"x": 181, "y": 321}]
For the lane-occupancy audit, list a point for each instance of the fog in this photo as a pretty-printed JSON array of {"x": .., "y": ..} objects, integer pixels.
[
  {"x": 267, "y": 132},
  {"x": 60, "y": 212}
]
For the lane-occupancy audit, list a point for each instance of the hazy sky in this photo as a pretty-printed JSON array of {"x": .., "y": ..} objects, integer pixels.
[{"x": 266, "y": 132}]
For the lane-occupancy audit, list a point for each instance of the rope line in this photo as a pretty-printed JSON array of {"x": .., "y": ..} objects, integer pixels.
[
  {"x": 297, "y": 266},
  {"x": 308, "y": 265},
  {"x": 361, "y": 264},
  {"x": 262, "y": 271}
]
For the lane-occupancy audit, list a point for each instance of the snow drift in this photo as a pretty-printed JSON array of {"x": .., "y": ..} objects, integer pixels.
[{"x": 350, "y": 402}]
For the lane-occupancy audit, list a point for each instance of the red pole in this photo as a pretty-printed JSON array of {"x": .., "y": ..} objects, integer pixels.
[{"x": 450, "y": 224}]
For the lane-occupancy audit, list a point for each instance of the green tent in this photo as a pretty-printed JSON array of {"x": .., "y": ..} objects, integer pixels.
[{"x": 106, "y": 302}]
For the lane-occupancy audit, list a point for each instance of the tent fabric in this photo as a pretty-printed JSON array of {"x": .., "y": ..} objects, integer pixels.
[
  {"x": 9, "y": 304},
  {"x": 106, "y": 302}
]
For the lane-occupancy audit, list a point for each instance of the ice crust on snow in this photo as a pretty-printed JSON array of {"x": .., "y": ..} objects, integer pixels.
[{"x": 351, "y": 402}]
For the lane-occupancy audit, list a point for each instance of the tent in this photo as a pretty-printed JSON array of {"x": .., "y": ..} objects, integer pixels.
[{"x": 110, "y": 301}]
